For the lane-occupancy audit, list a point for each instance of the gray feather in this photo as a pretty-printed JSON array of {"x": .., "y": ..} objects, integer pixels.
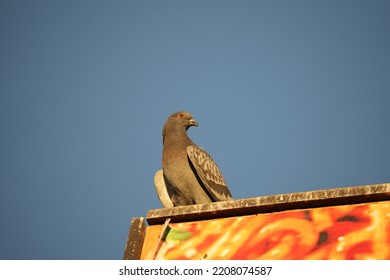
[{"x": 209, "y": 173}]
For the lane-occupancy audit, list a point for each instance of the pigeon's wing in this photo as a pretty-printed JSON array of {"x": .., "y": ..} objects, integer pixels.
[
  {"x": 166, "y": 194},
  {"x": 208, "y": 172},
  {"x": 163, "y": 192}
]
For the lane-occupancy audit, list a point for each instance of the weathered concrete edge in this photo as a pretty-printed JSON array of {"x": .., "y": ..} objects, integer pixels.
[
  {"x": 273, "y": 203},
  {"x": 135, "y": 239}
]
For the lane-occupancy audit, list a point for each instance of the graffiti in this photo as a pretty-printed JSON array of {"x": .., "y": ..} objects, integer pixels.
[{"x": 359, "y": 231}]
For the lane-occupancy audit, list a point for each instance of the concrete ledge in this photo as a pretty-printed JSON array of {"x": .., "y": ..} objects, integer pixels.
[{"x": 273, "y": 203}]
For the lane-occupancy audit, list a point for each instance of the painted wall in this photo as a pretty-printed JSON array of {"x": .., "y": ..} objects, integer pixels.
[{"x": 359, "y": 231}]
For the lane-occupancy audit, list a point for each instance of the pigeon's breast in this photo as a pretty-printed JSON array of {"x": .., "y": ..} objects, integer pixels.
[{"x": 178, "y": 172}]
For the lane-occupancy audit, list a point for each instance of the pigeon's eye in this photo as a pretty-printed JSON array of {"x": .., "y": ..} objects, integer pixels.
[{"x": 181, "y": 115}]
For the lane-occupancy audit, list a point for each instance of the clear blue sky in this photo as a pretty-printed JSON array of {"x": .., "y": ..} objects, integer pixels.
[{"x": 291, "y": 96}]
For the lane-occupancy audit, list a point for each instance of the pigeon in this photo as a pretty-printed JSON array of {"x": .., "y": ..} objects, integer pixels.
[{"x": 189, "y": 175}]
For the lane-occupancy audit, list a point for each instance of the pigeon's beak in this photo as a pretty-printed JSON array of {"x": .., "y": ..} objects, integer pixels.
[{"x": 193, "y": 122}]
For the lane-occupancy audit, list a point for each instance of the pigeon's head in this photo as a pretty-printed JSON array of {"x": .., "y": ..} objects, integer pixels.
[{"x": 178, "y": 121}]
